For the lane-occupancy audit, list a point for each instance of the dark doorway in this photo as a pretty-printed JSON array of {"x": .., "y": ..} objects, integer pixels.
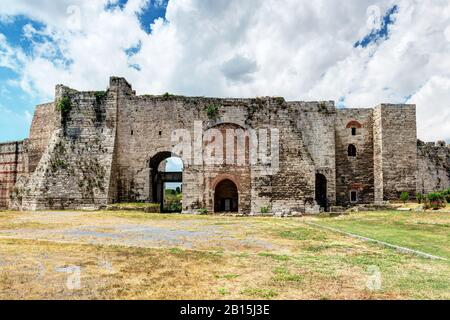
[
  {"x": 166, "y": 181},
  {"x": 226, "y": 197},
  {"x": 351, "y": 151},
  {"x": 321, "y": 191}
]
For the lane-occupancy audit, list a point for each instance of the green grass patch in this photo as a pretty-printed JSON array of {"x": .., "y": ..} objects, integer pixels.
[
  {"x": 260, "y": 293},
  {"x": 303, "y": 234},
  {"x": 276, "y": 257},
  {"x": 282, "y": 274},
  {"x": 408, "y": 230},
  {"x": 223, "y": 291},
  {"x": 227, "y": 276},
  {"x": 139, "y": 206}
]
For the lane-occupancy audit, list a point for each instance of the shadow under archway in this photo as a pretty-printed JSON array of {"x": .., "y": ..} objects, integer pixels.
[{"x": 226, "y": 197}]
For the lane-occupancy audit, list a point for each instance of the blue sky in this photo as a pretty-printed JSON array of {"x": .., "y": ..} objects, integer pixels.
[
  {"x": 16, "y": 104},
  {"x": 358, "y": 53},
  {"x": 381, "y": 33}
]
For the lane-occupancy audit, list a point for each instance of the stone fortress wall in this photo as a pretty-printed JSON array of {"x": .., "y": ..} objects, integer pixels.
[
  {"x": 108, "y": 146},
  {"x": 433, "y": 170},
  {"x": 13, "y": 164}
]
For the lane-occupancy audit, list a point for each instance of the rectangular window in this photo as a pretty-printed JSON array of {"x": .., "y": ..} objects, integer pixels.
[{"x": 353, "y": 131}]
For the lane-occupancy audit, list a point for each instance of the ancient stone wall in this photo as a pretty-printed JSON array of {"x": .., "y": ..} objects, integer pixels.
[
  {"x": 433, "y": 167},
  {"x": 13, "y": 164},
  {"x": 395, "y": 151},
  {"x": 145, "y": 128},
  {"x": 292, "y": 186},
  {"x": 315, "y": 123},
  {"x": 74, "y": 170},
  {"x": 107, "y": 146},
  {"x": 354, "y": 127},
  {"x": 45, "y": 120}
]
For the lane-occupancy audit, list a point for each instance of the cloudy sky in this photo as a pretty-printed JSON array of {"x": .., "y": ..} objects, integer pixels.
[{"x": 357, "y": 52}]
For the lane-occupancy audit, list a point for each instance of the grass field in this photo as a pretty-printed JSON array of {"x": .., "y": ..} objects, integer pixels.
[{"x": 136, "y": 255}]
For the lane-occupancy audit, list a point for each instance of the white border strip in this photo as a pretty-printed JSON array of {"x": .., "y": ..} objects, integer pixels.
[{"x": 398, "y": 248}]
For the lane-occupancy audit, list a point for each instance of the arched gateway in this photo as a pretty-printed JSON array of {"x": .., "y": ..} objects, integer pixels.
[
  {"x": 226, "y": 197},
  {"x": 159, "y": 177}
]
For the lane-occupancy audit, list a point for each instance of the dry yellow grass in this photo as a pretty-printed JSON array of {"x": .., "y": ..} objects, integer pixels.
[{"x": 242, "y": 258}]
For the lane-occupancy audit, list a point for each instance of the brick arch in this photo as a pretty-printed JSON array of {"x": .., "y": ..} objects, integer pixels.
[
  {"x": 225, "y": 176},
  {"x": 225, "y": 125},
  {"x": 354, "y": 124}
]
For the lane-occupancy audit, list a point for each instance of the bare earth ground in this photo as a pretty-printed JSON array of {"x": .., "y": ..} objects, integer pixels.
[{"x": 133, "y": 255}]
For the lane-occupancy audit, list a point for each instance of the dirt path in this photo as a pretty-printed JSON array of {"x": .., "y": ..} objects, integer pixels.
[{"x": 86, "y": 227}]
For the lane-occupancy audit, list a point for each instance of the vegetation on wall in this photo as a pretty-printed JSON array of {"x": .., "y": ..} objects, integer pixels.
[
  {"x": 64, "y": 105},
  {"x": 92, "y": 176},
  {"x": 167, "y": 96},
  {"x": 212, "y": 111},
  {"x": 265, "y": 210},
  {"x": 58, "y": 161},
  {"x": 257, "y": 104},
  {"x": 100, "y": 96},
  {"x": 323, "y": 107},
  {"x": 279, "y": 100}
]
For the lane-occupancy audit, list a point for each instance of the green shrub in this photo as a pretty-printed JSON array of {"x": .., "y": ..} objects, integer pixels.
[
  {"x": 64, "y": 105},
  {"x": 404, "y": 196},
  {"x": 265, "y": 210},
  {"x": 212, "y": 111},
  {"x": 99, "y": 96},
  {"x": 436, "y": 200},
  {"x": 446, "y": 195},
  {"x": 279, "y": 100},
  {"x": 420, "y": 197},
  {"x": 202, "y": 211},
  {"x": 166, "y": 96}
]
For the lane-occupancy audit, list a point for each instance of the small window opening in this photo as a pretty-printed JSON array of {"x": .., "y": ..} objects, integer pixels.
[
  {"x": 351, "y": 151},
  {"x": 353, "y": 131},
  {"x": 353, "y": 196},
  {"x": 132, "y": 132},
  {"x": 160, "y": 133}
]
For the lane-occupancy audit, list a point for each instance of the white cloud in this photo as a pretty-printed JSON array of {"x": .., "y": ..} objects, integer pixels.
[
  {"x": 239, "y": 69},
  {"x": 299, "y": 49},
  {"x": 433, "y": 109}
]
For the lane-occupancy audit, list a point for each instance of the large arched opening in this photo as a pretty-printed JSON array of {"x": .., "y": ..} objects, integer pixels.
[
  {"x": 166, "y": 181},
  {"x": 226, "y": 197},
  {"x": 321, "y": 191}
]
